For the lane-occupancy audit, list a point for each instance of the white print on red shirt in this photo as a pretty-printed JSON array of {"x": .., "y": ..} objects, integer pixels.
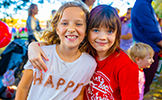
[{"x": 99, "y": 88}]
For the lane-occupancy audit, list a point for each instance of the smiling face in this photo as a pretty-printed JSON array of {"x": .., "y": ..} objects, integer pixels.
[
  {"x": 71, "y": 27},
  {"x": 146, "y": 61},
  {"x": 101, "y": 39},
  {"x": 104, "y": 29}
]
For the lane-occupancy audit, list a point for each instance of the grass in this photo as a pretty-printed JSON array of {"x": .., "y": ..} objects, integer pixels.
[{"x": 155, "y": 92}]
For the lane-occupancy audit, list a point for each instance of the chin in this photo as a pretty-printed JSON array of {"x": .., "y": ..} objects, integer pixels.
[{"x": 101, "y": 50}]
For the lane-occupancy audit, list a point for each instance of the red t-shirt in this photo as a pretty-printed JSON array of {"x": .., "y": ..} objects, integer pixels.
[{"x": 115, "y": 78}]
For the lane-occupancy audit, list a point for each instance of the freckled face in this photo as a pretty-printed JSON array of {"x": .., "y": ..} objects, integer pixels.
[
  {"x": 102, "y": 39},
  {"x": 72, "y": 26}
]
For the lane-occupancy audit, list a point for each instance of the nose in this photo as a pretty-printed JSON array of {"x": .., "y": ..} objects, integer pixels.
[
  {"x": 71, "y": 29},
  {"x": 102, "y": 36},
  {"x": 152, "y": 60}
]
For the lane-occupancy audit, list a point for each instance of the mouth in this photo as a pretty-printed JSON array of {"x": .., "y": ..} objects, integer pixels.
[
  {"x": 101, "y": 43},
  {"x": 71, "y": 37}
]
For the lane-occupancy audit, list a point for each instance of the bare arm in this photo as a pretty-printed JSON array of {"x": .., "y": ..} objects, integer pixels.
[
  {"x": 35, "y": 54},
  {"x": 81, "y": 95},
  {"x": 160, "y": 44},
  {"x": 24, "y": 85},
  {"x": 126, "y": 37}
]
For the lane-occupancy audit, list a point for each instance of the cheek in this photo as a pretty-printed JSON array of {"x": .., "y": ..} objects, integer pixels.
[
  {"x": 112, "y": 39},
  {"x": 149, "y": 61},
  {"x": 83, "y": 31},
  {"x": 60, "y": 30},
  {"x": 90, "y": 37}
]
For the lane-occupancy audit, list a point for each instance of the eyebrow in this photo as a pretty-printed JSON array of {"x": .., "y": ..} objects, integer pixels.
[{"x": 78, "y": 20}]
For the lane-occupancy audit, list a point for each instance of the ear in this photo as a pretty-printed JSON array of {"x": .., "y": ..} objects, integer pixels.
[{"x": 137, "y": 59}]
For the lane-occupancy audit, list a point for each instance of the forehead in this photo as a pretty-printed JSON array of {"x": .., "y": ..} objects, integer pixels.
[
  {"x": 35, "y": 7},
  {"x": 129, "y": 10},
  {"x": 73, "y": 12}
]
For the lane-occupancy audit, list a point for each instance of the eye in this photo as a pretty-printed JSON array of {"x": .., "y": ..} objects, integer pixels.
[
  {"x": 95, "y": 30},
  {"x": 64, "y": 23},
  {"x": 79, "y": 24},
  {"x": 151, "y": 58},
  {"x": 110, "y": 32}
]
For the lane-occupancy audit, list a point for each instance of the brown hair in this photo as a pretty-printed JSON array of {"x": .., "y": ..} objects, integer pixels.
[
  {"x": 30, "y": 9},
  {"x": 104, "y": 15},
  {"x": 50, "y": 34}
]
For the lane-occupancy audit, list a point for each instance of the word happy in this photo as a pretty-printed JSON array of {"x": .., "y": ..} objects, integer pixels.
[{"x": 60, "y": 82}]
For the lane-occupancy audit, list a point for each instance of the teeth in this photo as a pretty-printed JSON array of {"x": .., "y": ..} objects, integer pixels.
[{"x": 71, "y": 37}]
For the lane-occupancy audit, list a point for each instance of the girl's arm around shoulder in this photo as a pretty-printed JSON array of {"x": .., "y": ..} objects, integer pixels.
[
  {"x": 24, "y": 85},
  {"x": 35, "y": 55}
]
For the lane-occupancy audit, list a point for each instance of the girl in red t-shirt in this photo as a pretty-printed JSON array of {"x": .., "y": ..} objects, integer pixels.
[{"x": 116, "y": 76}]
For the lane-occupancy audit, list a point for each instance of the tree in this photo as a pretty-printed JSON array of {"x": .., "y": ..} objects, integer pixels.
[
  {"x": 157, "y": 5},
  {"x": 15, "y": 5}
]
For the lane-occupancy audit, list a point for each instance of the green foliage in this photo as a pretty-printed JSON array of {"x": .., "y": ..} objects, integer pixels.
[
  {"x": 15, "y": 5},
  {"x": 157, "y": 5},
  {"x": 7, "y": 3}
]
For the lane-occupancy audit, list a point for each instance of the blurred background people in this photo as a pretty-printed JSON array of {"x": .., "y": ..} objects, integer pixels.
[
  {"x": 160, "y": 22},
  {"x": 126, "y": 32},
  {"x": 142, "y": 54},
  {"x": 89, "y": 3},
  {"x": 32, "y": 23},
  {"x": 146, "y": 29},
  {"x": 51, "y": 16},
  {"x": 52, "y": 13}
]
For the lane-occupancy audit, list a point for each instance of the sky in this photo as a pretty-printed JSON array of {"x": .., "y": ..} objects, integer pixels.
[{"x": 46, "y": 8}]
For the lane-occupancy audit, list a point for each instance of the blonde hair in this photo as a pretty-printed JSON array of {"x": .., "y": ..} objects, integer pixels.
[
  {"x": 140, "y": 50},
  {"x": 50, "y": 35}
]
